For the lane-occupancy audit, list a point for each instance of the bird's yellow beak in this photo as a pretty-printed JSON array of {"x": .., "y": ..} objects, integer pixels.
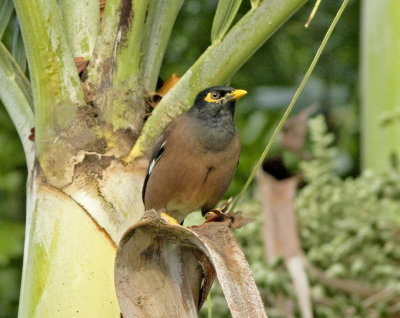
[{"x": 236, "y": 94}]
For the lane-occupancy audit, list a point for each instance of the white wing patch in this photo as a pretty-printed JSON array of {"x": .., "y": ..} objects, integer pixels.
[
  {"x": 151, "y": 167},
  {"x": 154, "y": 161}
]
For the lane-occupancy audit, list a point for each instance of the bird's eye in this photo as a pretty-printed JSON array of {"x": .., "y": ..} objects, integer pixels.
[{"x": 215, "y": 95}]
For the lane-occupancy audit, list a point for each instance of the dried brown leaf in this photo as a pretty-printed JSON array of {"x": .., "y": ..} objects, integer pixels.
[
  {"x": 160, "y": 268},
  {"x": 102, "y": 7},
  {"x": 294, "y": 131},
  {"x": 280, "y": 232},
  {"x": 80, "y": 64}
]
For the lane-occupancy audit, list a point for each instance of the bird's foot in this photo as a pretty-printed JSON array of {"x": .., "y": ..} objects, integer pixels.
[
  {"x": 218, "y": 214},
  {"x": 235, "y": 219},
  {"x": 168, "y": 218}
]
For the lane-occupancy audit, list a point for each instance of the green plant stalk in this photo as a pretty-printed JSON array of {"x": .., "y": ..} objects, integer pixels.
[
  {"x": 313, "y": 12},
  {"x": 15, "y": 93},
  {"x": 99, "y": 64},
  {"x": 124, "y": 107},
  {"x": 380, "y": 80},
  {"x": 82, "y": 23},
  {"x": 160, "y": 20},
  {"x": 218, "y": 63},
  {"x": 224, "y": 15},
  {"x": 209, "y": 305},
  {"x": 116, "y": 75},
  {"x": 128, "y": 54},
  {"x": 55, "y": 82},
  {"x": 291, "y": 105}
]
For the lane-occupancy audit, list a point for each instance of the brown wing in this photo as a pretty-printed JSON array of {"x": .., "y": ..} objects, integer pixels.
[{"x": 158, "y": 149}]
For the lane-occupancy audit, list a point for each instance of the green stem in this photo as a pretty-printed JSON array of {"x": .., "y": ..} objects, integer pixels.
[
  {"x": 15, "y": 93},
  {"x": 292, "y": 103},
  {"x": 99, "y": 64},
  {"x": 55, "y": 83},
  {"x": 82, "y": 22},
  {"x": 126, "y": 107},
  {"x": 159, "y": 23},
  {"x": 218, "y": 63},
  {"x": 118, "y": 66}
]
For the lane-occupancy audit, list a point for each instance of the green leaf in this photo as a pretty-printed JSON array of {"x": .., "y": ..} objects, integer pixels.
[
  {"x": 18, "y": 48},
  {"x": 6, "y": 9},
  {"x": 226, "y": 12}
]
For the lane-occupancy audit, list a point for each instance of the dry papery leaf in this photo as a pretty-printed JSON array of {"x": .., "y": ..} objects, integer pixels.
[
  {"x": 294, "y": 131},
  {"x": 166, "y": 270},
  {"x": 80, "y": 63},
  {"x": 280, "y": 233},
  {"x": 102, "y": 7}
]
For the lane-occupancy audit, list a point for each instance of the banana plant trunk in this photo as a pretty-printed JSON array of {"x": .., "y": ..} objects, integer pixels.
[
  {"x": 88, "y": 155},
  {"x": 380, "y": 79}
]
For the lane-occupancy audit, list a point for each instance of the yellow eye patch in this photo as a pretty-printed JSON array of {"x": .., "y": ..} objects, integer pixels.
[
  {"x": 233, "y": 95},
  {"x": 210, "y": 99}
]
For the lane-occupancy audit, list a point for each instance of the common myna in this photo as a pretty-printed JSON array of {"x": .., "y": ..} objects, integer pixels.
[{"x": 195, "y": 157}]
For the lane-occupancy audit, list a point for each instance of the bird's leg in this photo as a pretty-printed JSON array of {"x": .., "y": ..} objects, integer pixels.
[{"x": 218, "y": 214}]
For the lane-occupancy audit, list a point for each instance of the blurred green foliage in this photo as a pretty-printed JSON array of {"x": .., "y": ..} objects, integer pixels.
[
  {"x": 349, "y": 229},
  {"x": 271, "y": 77},
  {"x": 12, "y": 215}
]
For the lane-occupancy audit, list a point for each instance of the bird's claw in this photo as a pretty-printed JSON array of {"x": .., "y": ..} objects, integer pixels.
[
  {"x": 236, "y": 220},
  {"x": 218, "y": 214}
]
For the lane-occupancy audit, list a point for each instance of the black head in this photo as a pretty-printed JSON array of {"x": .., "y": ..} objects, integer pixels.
[{"x": 217, "y": 101}]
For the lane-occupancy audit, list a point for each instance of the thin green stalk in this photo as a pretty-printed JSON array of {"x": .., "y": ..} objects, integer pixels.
[
  {"x": 209, "y": 305},
  {"x": 313, "y": 12},
  {"x": 217, "y": 64},
  {"x": 292, "y": 103}
]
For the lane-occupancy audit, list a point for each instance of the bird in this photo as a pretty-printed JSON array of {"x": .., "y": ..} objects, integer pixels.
[{"x": 195, "y": 157}]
